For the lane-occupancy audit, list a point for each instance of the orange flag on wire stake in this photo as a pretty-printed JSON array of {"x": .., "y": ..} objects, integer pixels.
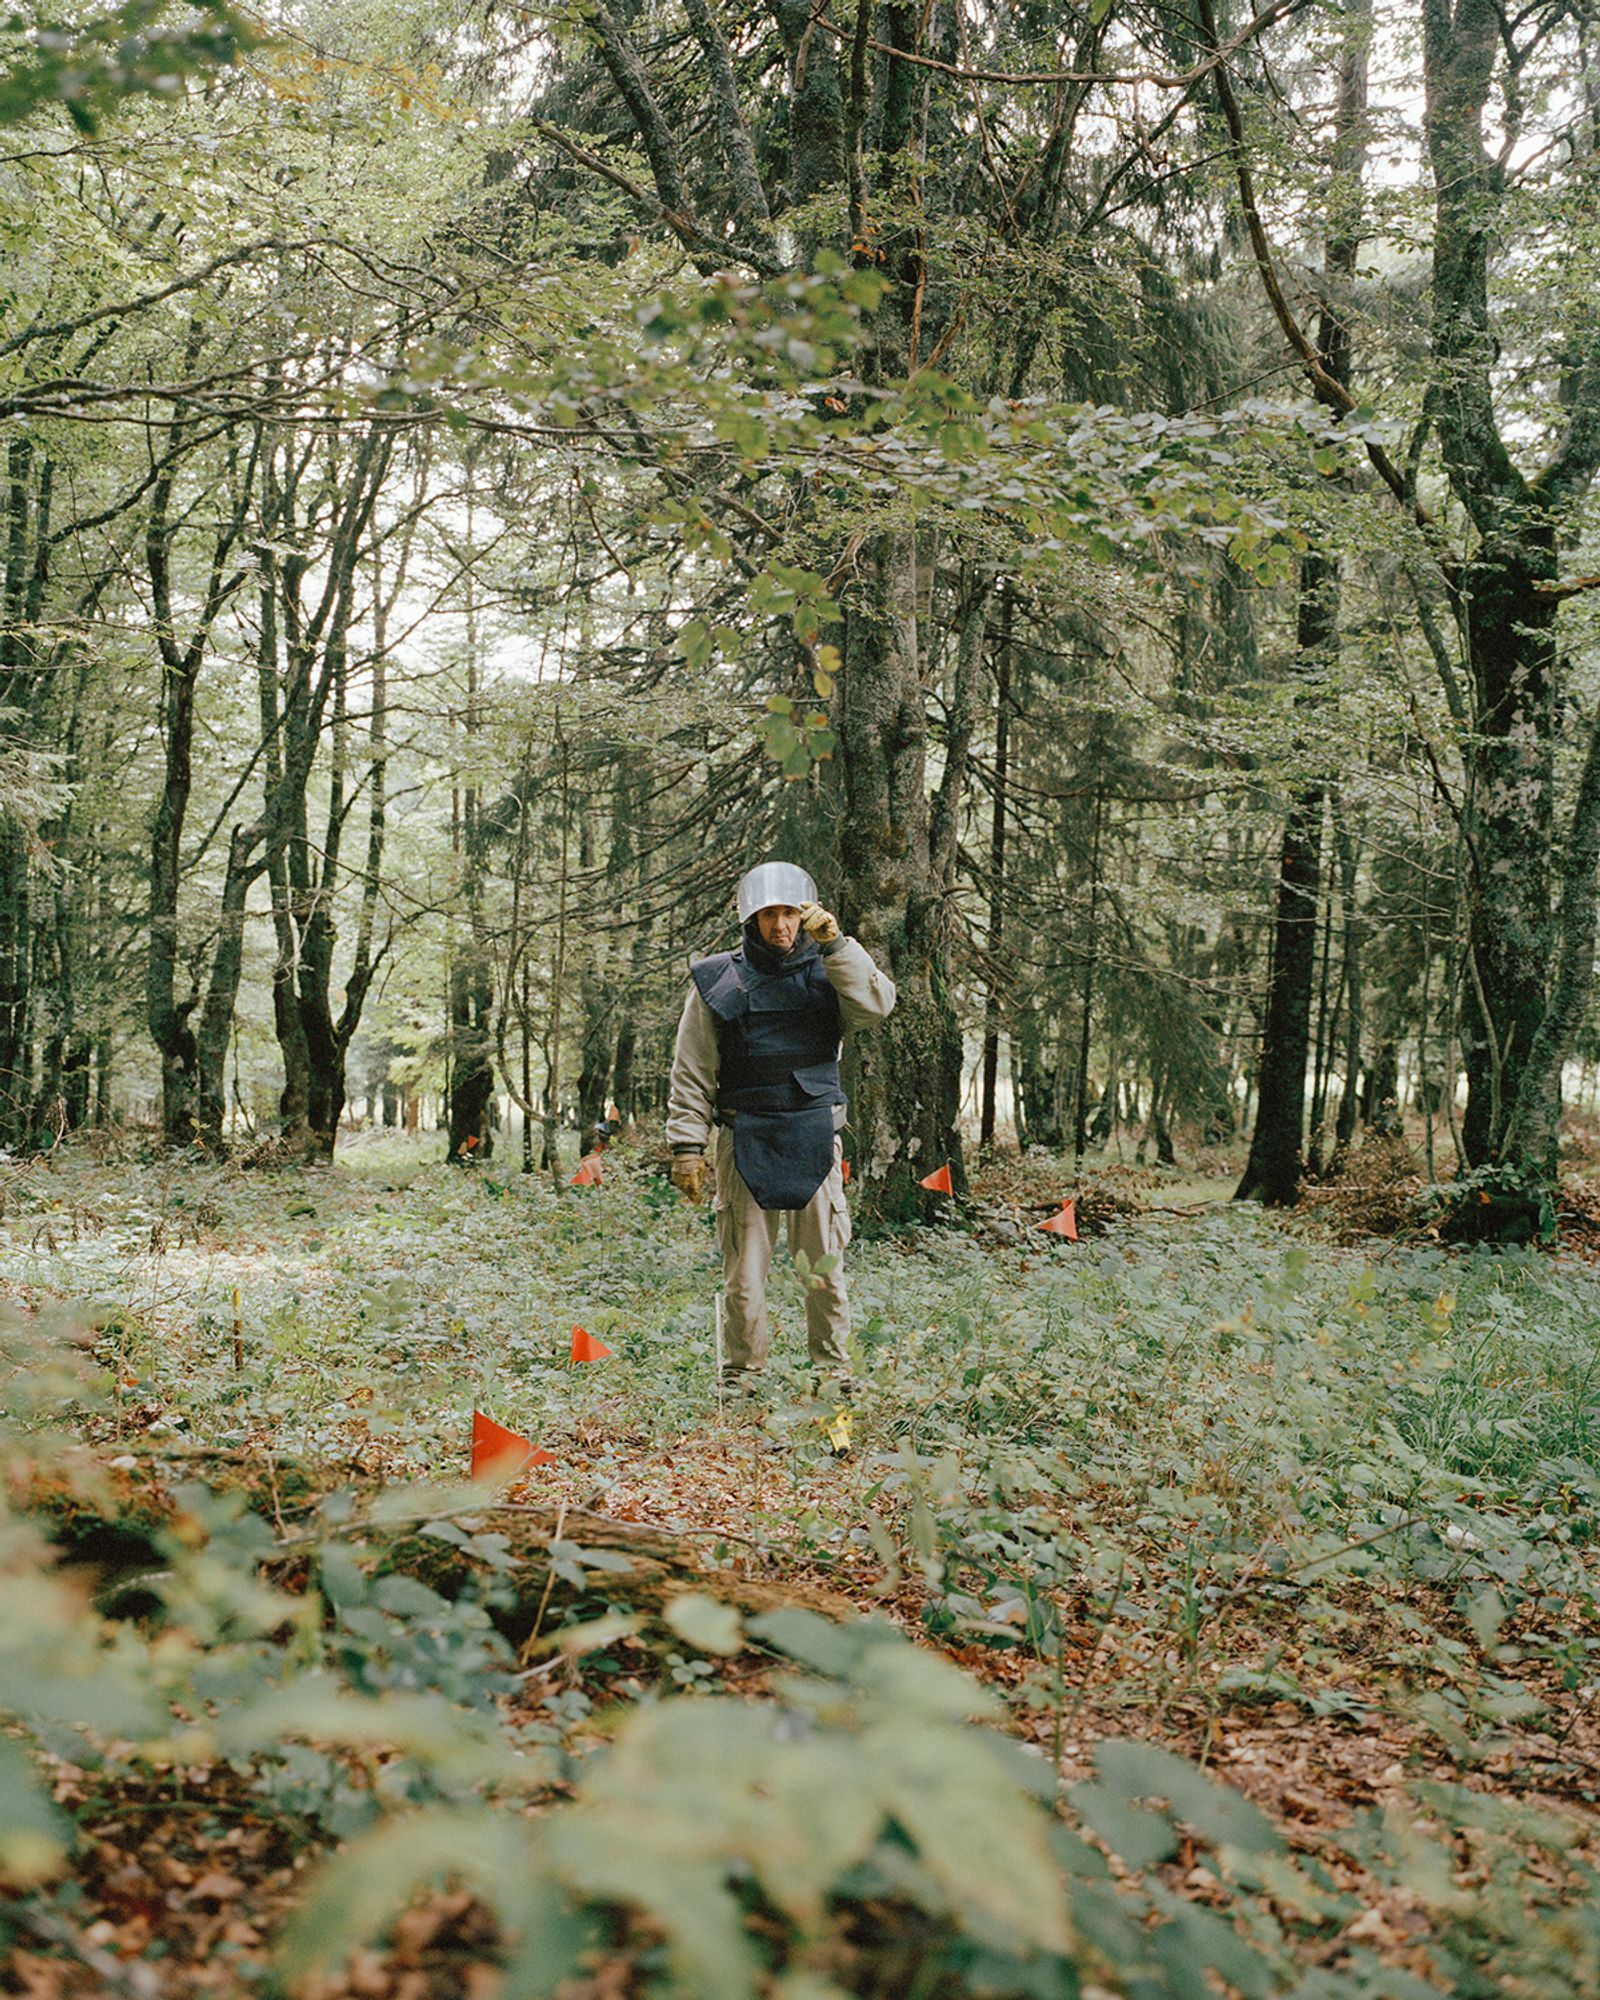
[
  {"x": 588, "y": 1174},
  {"x": 586, "y": 1348},
  {"x": 938, "y": 1181},
  {"x": 500, "y": 1454},
  {"x": 844, "y": 1172},
  {"x": 1065, "y": 1224}
]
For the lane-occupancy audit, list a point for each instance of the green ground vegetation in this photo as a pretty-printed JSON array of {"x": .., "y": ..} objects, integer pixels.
[{"x": 1200, "y": 1595}]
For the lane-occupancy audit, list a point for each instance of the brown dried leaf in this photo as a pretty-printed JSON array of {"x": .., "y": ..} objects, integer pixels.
[
  {"x": 41, "y": 1978},
  {"x": 216, "y": 1887}
]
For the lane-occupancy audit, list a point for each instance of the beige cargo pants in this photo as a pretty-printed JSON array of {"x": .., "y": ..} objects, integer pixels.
[{"x": 748, "y": 1235}]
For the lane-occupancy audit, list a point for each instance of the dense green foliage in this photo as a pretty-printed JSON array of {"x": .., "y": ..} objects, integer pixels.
[
  {"x": 90, "y": 60},
  {"x": 451, "y": 534}
]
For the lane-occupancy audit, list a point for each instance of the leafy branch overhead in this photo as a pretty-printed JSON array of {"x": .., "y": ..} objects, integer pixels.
[
  {"x": 87, "y": 62},
  {"x": 743, "y": 381}
]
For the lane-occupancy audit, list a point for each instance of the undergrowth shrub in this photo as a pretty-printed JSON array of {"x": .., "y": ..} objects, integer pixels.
[
  {"x": 1377, "y": 1193},
  {"x": 1501, "y": 1202}
]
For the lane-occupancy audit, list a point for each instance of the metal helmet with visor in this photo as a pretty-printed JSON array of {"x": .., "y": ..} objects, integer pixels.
[{"x": 774, "y": 882}]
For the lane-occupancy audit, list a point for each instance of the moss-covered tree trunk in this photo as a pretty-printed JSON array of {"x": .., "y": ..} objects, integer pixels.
[
  {"x": 169, "y": 1017},
  {"x": 1507, "y": 592},
  {"x": 1509, "y": 822},
  {"x": 904, "y": 1079}
]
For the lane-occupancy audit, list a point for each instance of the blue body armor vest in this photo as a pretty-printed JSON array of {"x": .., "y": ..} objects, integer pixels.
[{"x": 778, "y": 1081}]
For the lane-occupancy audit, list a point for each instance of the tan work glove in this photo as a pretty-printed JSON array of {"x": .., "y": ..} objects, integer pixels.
[
  {"x": 689, "y": 1176},
  {"x": 819, "y": 923}
]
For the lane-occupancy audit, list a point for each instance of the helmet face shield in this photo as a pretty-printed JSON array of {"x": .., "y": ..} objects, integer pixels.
[{"x": 774, "y": 882}]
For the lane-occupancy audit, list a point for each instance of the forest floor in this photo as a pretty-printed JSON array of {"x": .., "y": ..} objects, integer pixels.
[{"x": 1320, "y": 1517}]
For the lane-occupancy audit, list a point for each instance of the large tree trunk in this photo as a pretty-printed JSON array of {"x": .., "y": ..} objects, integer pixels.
[
  {"x": 1531, "y": 1130},
  {"x": 168, "y": 1017},
  {"x": 904, "y": 1077},
  {"x": 312, "y": 1041},
  {"x": 1507, "y": 593},
  {"x": 1511, "y": 938},
  {"x": 325, "y": 1050},
  {"x": 282, "y": 733},
  {"x": 472, "y": 1040},
  {"x": 1272, "y": 1172}
]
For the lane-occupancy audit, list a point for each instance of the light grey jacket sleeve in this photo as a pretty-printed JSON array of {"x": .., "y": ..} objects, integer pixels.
[
  {"x": 692, "y": 1091},
  {"x": 865, "y": 994}
]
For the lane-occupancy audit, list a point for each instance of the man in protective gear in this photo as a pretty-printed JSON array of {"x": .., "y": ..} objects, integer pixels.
[{"x": 755, "y": 1077}]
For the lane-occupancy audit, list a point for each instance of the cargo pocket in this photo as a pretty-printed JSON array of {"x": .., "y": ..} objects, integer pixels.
[
  {"x": 721, "y": 1144},
  {"x": 838, "y": 1208}
]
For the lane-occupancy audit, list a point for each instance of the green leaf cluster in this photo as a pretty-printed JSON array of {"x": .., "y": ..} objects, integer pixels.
[{"x": 91, "y": 63}]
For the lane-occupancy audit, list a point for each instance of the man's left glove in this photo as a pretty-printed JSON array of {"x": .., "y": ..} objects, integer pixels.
[
  {"x": 689, "y": 1176},
  {"x": 819, "y": 923}
]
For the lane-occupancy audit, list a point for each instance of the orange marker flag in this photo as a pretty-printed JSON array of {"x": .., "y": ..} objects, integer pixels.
[
  {"x": 586, "y": 1348},
  {"x": 844, "y": 1172},
  {"x": 588, "y": 1174},
  {"x": 939, "y": 1181},
  {"x": 500, "y": 1454},
  {"x": 1065, "y": 1224}
]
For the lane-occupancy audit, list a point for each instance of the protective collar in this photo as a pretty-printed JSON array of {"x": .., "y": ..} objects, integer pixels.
[{"x": 761, "y": 955}]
